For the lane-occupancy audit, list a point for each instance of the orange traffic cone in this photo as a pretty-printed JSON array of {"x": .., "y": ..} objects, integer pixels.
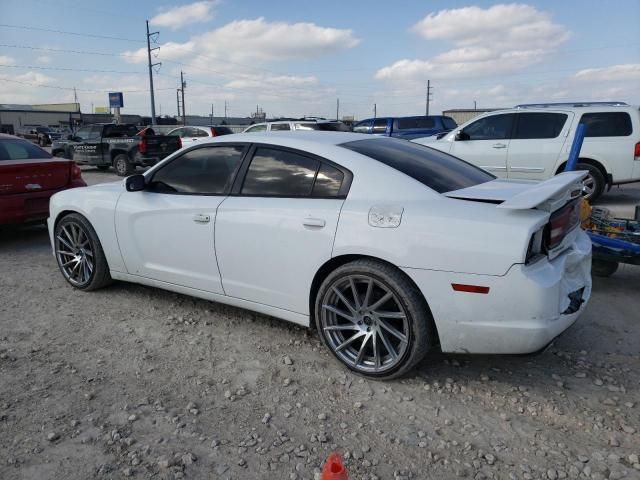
[{"x": 334, "y": 468}]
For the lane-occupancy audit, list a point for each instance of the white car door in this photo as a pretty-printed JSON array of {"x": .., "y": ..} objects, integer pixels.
[
  {"x": 538, "y": 140},
  {"x": 484, "y": 142},
  {"x": 276, "y": 232},
  {"x": 166, "y": 232}
]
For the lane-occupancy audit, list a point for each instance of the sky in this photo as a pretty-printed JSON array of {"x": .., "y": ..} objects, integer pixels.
[{"x": 295, "y": 58}]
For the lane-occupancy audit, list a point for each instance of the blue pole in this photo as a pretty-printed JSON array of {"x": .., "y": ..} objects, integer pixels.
[{"x": 575, "y": 148}]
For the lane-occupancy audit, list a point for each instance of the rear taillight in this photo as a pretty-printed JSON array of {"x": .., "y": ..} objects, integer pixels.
[
  {"x": 179, "y": 142},
  {"x": 561, "y": 223},
  {"x": 213, "y": 132},
  {"x": 636, "y": 152},
  {"x": 76, "y": 173},
  {"x": 142, "y": 145}
]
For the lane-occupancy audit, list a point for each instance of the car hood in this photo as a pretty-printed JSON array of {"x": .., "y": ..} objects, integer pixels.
[{"x": 525, "y": 194}]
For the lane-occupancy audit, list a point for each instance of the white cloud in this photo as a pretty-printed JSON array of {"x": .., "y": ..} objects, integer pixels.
[
  {"x": 256, "y": 41},
  {"x": 177, "y": 17},
  {"x": 625, "y": 72},
  {"x": 6, "y": 60},
  {"x": 21, "y": 89},
  {"x": 44, "y": 59},
  {"x": 497, "y": 40}
]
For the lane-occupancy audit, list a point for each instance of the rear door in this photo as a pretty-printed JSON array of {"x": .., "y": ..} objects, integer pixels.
[
  {"x": 273, "y": 235},
  {"x": 381, "y": 127},
  {"x": 537, "y": 142},
  {"x": 24, "y": 168},
  {"x": 484, "y": 143}
]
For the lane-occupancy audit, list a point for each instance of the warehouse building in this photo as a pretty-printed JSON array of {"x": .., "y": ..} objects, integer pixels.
[{"x": 54, "y": 115}]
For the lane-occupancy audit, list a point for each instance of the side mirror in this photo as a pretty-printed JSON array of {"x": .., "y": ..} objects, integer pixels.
[
  {"x": 460, "y": 135},
  {"x": 135, "y": 183}
]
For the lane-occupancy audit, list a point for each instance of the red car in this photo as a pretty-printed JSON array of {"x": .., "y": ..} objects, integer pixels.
[{"x": 29, "y": 176}]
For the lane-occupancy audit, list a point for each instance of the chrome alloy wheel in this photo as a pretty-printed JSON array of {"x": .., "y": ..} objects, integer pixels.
[
  {"x": 588, "y": 186},
  {"x": 365, "y": 324},
  {"x": 74, "y": 253}
]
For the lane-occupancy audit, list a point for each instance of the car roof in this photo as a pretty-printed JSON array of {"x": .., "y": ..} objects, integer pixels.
[
  {"x": 10, "y": 137},
  {"x": 284, "y": 138}
]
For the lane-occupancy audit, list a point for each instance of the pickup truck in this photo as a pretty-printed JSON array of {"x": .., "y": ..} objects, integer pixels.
[
  {"x": 406, "y": 127},
  {"x": 122, "y": 146}
]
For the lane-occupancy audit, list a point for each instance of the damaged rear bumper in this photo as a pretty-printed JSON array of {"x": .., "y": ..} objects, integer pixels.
[{"x": 524, "y": 310}]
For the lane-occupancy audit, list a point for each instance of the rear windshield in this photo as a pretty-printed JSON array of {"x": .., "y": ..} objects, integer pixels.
[
  {"x": 449, "y": 123},
  {"x": 435, "y": 169},
  {"x": 15, "y": 149},
  {"x": 115, "y": 131},
  {"x": 411, "y": 123},
  {"x": 223, "y": 130},
  {"x": 333, "y": 127}
]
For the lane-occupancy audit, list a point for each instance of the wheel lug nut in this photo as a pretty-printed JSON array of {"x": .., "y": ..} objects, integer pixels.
[
  {"x": 359, "y": 322},
  {"x": 368, "y": 329}
]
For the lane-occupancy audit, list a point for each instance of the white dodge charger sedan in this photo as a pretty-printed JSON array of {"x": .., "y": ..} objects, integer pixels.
[{"x": 389, "y": 248}]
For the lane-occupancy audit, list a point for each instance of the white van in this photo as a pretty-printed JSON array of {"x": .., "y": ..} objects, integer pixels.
[{"x": 533, "y": 142}]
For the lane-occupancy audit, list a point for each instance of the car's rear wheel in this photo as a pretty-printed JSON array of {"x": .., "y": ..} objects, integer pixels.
[
  {"x": 373, "y": 319},
  {"x": 122, "y": 165},
  {"x": 79, "y": 253},
  {"x": 594, "y": 184}
]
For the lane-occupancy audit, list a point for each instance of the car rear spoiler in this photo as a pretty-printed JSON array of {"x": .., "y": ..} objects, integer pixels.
[
  {"x": 564, "y": 186},
  {"x": 548, "y": 195}
]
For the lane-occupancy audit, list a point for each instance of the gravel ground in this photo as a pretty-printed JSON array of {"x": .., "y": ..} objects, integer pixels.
[{"x": 136, "y": 382}]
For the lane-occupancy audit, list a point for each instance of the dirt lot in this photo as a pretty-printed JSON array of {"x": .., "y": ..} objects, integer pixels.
[{"x": 137, "y": 382}]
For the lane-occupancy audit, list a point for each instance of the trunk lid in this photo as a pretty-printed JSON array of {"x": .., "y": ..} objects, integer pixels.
[
  {"x": 548, "y": 195},
  {"x": 25, "y": 176}
]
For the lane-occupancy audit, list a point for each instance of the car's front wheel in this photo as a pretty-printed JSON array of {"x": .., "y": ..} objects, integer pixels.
[
  {"x": 373, "y": 319},
  {"x": 79, "y": 253}
]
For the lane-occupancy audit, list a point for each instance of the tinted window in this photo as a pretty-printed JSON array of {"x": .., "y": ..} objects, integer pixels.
[
  {"x": 83, "y": 133},
  {"x": 539, "y": 125},
  {"x": 197, "y": 132},
  {"x": 449, "y": 123},
  {"x": 20, "y": 150},
  {"x": 95, "y": 132},
  {"x": 380, "y": 125},
  {"x": 495, "y": 127},
  {"x": 275, "y": 127},
  {"x": 328, "y": 181},
  {"x": 415, "y": 122},
  {"x": 333, "y": 127},
  {"x": 176, "y": 133},
  {"x": 280, "y": 173},
  {"x": 43, "y": 129},
  {"x": 257, "y": 128},
  {"x": 362, "y": 127},
  {"x": 116, "y": 131},
  {"x": 208, "y": 170},
  {"x": 435, "y": 169},
  {"x": 607, "y": 124},
  {"x": 223, "y": 131}
]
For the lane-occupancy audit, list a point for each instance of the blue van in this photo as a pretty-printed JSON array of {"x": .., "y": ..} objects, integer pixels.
[{"x": 406, "y": 127}]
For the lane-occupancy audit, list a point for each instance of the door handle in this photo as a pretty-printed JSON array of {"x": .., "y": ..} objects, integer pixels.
[
  {"x": 499, "y": 145},
  {"x": 201, "y": 218},
  {"x": 314, "y": 222}
]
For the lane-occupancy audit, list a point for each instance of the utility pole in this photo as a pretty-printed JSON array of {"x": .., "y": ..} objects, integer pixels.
[
  {"x": 212, "y": 114},
  {"x": 225, "y": 109},
  {"x": 178, "y": 100},
  {"x": 429, "y": 88},
  {"x": 183, "y": 85},
  {"x": 475, "y": 107},
  {"x": 375, "y": 110},
  {"x": 337, "y": 109},
  {"x": 151, "y": 65}
]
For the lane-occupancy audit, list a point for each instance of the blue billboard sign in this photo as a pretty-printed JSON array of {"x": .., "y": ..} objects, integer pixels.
[{"x": 116, "y": 100}]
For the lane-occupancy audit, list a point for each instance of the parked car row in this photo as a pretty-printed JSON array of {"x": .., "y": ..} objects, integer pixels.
[{"x": 43, "y": 136}]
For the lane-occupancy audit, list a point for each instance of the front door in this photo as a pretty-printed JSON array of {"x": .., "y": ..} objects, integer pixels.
[
  {"x": 77, "y": 151},
  {"x": 537, "y": 142},
  {"x": 166, "y": 232},
  {"x": 484, "y": 143},
  {"x": 273, "y": 236}
]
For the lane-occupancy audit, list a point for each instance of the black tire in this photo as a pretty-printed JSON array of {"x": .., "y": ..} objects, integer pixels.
[
  {"x": 123, "y": 165},
  {"x": 103, "y": 168},
  {"x": 603, "y": 268},
  {"x": 70, "y": 254},
  {"x": 416, "y": 324},
  {"x": 594, "y": 184}
]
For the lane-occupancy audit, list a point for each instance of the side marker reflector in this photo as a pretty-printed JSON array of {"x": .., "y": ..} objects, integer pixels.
[{"x": 460, "y": 287}]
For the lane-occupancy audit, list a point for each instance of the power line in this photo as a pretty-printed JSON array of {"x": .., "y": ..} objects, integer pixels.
[
  {"x": 64, "y": 32},
  {"x": 36, "y": 67},
  {"x": 58, "y": 87}
]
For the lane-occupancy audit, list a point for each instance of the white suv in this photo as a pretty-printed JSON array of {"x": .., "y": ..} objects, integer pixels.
[
  {"x": 533, "y": 142},
  {"x": 303, "y": 124}
]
